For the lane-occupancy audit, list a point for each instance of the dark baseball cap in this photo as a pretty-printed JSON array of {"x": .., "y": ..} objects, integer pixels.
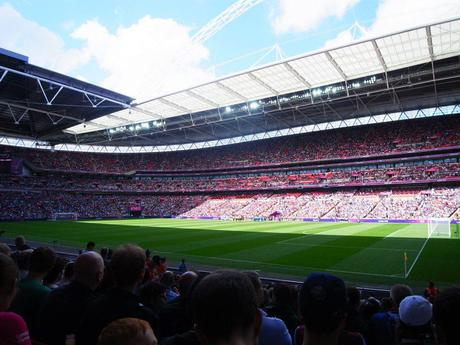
[{"x": 322, "y": 300}]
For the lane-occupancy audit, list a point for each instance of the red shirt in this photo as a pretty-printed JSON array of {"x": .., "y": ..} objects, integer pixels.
[{"x": 13, "y": 330}]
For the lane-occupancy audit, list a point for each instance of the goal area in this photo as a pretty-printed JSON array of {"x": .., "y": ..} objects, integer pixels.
[
  {"x": 65, "y": 216},
  {"x": 438, "y": 227}
]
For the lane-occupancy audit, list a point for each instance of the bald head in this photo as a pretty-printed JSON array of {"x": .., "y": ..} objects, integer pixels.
[
  {"x": 89, "y": 269},
  {"x": 185, "y": 282}
]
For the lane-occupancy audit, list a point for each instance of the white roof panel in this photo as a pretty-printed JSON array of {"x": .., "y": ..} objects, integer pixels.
[
  {"x": 358, "y": 60},
  {"x": 405, "y": 49},
  {"x": 185, "y": 100},
  {"x": 446, "y": 39},
  {"x": 247, "y": 87},
  {"x": 217, "y": 94},
  {"x": 280, "y": 79},
  {"x": 317, "y": 70}
]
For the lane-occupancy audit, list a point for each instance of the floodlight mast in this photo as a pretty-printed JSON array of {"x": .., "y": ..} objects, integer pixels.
[{"x": 224, "y": 18}]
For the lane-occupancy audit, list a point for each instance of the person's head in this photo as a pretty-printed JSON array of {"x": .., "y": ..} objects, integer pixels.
[
  {"x": 153, "y": 294},
  {"x": 167, "y": 279},
  {"x": 90, "y": 246},
  {"x": 323, "y": 304},
  {"x": 104, "y": 252},
  {"x": 415, "y": 311},
  {"x": 8, "y": 280},
  {"x": 127, "y": 265},
  {"x": 182, "y": 261},
  {"x": 42, "y": 261},
  {"x": 398, "y": 292},
  {"x": 354, "y": 297},
  {"x": 155, "y": 260},
  {"x": 387, "y": 304},
  {"x": 369, "y": 307},
  {"x": 257, "y": 284},
  {"x": 88, "y": 269},
  {"x": 19, "y": 241},
  {"x": 431, "y": 285},
  {"x": 446, "y": 316},
  {"x": 55, "y": 273},
  {"x": 69, "y": 271},
  {"x": 224, "y": 307},
  {"x": 282, "y": 294},
  {"x": 127, "y": 331},
  {"x": 185, "y": 281},
  {"x": 5, "y": 249}
]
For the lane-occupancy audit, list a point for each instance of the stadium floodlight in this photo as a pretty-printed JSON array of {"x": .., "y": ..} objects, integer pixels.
[
  {"x": 228, "y": 109},
  {"x": 254, "y": 105}
]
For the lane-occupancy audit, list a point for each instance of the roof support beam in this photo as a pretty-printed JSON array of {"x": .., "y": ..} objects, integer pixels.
[
  {"x": 24, "y": 74},
  {"x": 44, "y": 112},
  {"x": 231, "y": 91},
  {"x": 174, "y": 105},
  {"x": 337, "y": 68},
  {"x": 429, "y": 39},
  {"x": 262, "y": 83},
  {"x": 5, "y": 72},
  {"x": 202, "y": 99},
  {"x": 297, "y": 75},
  {"x": 381, "y": 60},
  {"x": 49, "y": 101}
]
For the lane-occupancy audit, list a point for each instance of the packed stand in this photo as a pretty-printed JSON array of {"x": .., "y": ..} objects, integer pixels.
[{"x": 414, "y": 135}]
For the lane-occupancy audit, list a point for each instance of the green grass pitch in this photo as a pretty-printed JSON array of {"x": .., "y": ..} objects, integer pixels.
[{"x": 358, "y": 252}]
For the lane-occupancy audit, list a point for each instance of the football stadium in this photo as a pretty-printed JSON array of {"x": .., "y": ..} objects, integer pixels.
[{"x": 340, "y": 163}]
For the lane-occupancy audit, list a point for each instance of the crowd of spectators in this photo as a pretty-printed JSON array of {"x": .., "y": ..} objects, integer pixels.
[
  {"x": 402, "y": 174},
  {"x": 414, "y": 135},
  {"x": 411, "y": 204},
  {"x": 124, "y": 300}
]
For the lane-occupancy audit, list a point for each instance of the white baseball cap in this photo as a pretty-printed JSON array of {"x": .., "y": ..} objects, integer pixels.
[{"x": 415, "y": 311}]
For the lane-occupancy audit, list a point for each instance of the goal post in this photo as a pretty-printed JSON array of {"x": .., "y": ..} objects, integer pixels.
[
  {"x": 65, "y": 216},
  {"x": 438, "y": 227}
]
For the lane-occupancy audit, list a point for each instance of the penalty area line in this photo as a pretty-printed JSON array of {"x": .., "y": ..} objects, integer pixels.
[{"x": 416, "y": 258}]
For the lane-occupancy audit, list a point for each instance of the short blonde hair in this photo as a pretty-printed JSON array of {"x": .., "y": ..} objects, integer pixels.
[{"x": 123, "y": 331}]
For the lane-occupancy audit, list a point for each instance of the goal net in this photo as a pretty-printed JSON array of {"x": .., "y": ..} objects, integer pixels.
[
  {"x": 65, "y": 216},
  {"x": 438, "y": 227}
]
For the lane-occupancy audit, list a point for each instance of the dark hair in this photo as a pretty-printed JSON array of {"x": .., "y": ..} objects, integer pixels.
[
  {"x": 322, "y": 302},
  {"x": 151, "y": 291},
  {"x": 398, "y": 292},
  {"x": 283, "y": 293},
  {"x": 19, "y": 241},
  {"x": 446, "y": 314},
  {"x": 128, "y": 262},
  {"x": 54, "y": 274},
  {"x": 354, "y": 297},
  {"x": 68, "y": 270},
  {"x": 167, "y": 278},
  {"x": 42, "y": 260},
  {"x": 223, "y": 303},
  {"x": 90, "y": 244},
  {"x": 8, "y": 274}
]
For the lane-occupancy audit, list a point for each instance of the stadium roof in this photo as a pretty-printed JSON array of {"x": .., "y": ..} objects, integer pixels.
[
  {"x": 409, "y": 74},
  {"x": 364, "y": 58},
  {"x": 36, "y": 102}
]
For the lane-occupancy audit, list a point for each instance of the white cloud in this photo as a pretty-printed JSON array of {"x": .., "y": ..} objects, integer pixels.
[
  {"x": 151, "y": 57},
  {"x": 397, "y": 15},
  {"x": 305, "y": 15},
  {"x": 44, "y": 47}
]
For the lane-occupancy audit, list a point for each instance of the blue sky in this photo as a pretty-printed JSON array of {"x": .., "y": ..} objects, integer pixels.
[{"x": 144, "y": 48}]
